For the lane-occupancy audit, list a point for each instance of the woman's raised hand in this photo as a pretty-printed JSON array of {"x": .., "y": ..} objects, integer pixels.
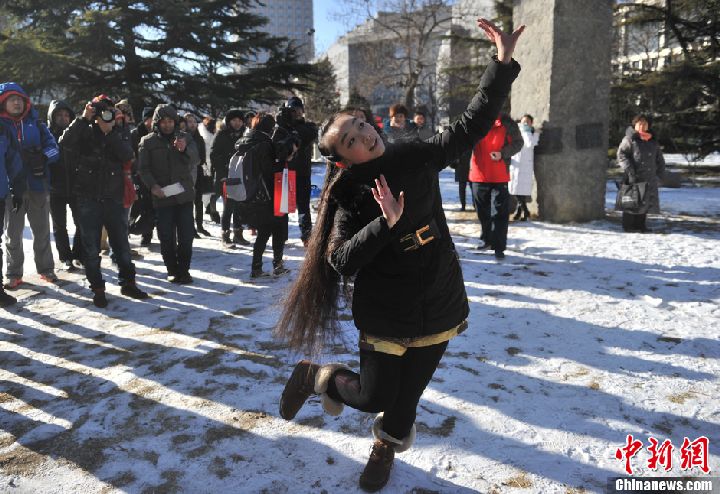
[
  {"x": 392, "y": 209},
  {"x": 504, "y": 42}
]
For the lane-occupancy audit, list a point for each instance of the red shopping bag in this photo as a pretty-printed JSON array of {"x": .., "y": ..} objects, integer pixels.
[
  {"x": 129, "y": 193},
  {"x": 285, "y": 196}
]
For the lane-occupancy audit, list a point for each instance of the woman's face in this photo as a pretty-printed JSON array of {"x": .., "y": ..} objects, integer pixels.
[
  {"x": 355, "y": 140},
  {"x": 641, "y": 126},
  {"x": 397, "y": 120}
]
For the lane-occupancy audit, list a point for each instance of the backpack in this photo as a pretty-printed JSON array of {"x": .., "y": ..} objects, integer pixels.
[{"x": 244, "y": 181}]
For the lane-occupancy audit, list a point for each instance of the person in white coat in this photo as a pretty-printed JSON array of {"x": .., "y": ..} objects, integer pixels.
[{"x": 521, "y": 168}]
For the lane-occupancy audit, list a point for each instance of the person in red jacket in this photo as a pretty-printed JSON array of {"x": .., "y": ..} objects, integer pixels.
[{"x": 489, "y": 179}]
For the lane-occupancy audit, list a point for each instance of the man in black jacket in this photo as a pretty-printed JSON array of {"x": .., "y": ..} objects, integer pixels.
[
  {"x": 61, "y": 189},
  {"x": 167, "y": 158},
  {"x": 99, "y": 184},
  {"x": 292, "y": 118}
]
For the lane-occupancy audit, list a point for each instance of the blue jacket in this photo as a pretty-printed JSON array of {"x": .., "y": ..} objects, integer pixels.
[
  {"x": 30, "y": 133},
  {"x": 10, "y": 165}
]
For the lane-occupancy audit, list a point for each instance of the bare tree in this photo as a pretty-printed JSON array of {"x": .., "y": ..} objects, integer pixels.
[{"x": 400, "y": 41}]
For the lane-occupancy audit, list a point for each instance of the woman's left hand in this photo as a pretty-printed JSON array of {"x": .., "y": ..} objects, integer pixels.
[{"x": 392, "y": 209}]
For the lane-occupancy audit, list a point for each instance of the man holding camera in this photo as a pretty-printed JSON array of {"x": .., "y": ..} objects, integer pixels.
[
  {"x": 291, "y": 117},
  {"x": 38, "y": 150},
  {"x": 100, "y": 151},
  {"x": 167, "y": 158}
]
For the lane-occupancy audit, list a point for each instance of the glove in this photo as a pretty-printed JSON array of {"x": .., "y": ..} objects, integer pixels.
[
  {"x": 631, "y": 176},
  {"x": 34, "y": 160},
  {"x": 17, "y": 202}
]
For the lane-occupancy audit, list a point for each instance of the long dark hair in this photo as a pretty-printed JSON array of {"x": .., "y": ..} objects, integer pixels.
[{"x": 310, "y": 311}]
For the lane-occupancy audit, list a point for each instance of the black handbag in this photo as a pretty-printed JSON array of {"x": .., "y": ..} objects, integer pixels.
[{"x": 632, "y": 196}]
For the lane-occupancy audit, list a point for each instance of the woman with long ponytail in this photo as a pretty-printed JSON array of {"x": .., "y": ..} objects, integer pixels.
[{"x": 381, "y": 221}]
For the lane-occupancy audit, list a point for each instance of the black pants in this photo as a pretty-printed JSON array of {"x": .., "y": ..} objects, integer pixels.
[
  {"x": 389, "y": 384},
  {"x": 93, "y": 216},
  {"x": 462, "y": 189},
  {"x": 198, "y": 210},
  {"x": 302, "y": 198},
  {"x": 58, "y": 212},
  {"x": 176, "y": 233},
  {"x": 522, "y": 208},
  {"x": 231, "y": 209},
  {"x": 632, "y": 222},
  {"x": 278, "y": 229},
  {"x": 492, "y": 204}
]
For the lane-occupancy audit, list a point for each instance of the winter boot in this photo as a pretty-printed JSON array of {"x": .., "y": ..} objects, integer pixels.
[
  {"x": 377, "y": 470},
  {"x": 238, "y": 237},
  {"x": 279, "y": 268},
  {"x": 131, "y": 290},
  {"x": 99, "y": 299},
  {"x": 226, "y": 242},
  {"x": 306, "y": 379},
  {"x": 5, "y": 299}
]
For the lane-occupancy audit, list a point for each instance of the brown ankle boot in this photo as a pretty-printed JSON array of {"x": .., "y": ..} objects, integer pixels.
[
  {"x": 377, "y": 470},
  {"x": 306, "y": 379},
  {"x": 298, "y": 389}
]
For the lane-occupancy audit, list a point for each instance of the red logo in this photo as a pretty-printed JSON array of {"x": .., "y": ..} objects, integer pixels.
[{"x": 692, "y": 454}]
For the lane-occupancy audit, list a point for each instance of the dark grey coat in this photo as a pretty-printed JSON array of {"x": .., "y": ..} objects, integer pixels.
[{"x": 645, "y": 159}]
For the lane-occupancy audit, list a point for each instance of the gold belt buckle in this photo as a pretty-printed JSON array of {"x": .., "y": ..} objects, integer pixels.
[{"x": 418, "y": 235}]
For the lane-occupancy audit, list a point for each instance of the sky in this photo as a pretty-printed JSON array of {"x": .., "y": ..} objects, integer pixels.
[{"x": 327, "y": 29}]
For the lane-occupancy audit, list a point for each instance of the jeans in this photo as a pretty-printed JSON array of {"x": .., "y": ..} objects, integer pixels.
[
  {"x": 302, "y": 198},
  {"x": 93, "y": 215},
  {"x": 2, "y": 223},
  {"x": 462, "y": 188},
  {"x": 58, "y": 212},
  {"x": 231, "y": 208},
  {"x": 36, "y": 205},
  {"x": 388, "y": 383},
  {"x": 278, "y": 229},
  {"x": 492, "y": 204},
  {"x": 176, "y": 231}
]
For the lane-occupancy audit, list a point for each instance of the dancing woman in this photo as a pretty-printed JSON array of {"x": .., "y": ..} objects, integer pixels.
[{"x": 381, "y": 221}]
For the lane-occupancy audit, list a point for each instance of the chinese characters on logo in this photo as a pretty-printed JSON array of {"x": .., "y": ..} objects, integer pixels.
[{"x": 692, "y": 454}]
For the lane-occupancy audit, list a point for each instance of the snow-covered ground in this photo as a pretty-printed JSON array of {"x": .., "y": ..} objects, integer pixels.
[
  {"x": 581, "y": 336},
  {"x": 687, "y": 160}
]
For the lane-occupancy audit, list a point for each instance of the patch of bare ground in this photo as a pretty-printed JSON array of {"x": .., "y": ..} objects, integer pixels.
[
  {"x": 218, "y": 468},
  {"x": 122, "y": 479},
  {"x": 520, "y": 481},
  {"x": 170, "y": 486},
  {"x": 443, "y": 430},
  {"x": 317, "y": 421},
  {"x": 223, "y": 370}
]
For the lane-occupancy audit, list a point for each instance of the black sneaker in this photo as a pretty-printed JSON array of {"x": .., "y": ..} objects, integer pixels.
[
  {"x": 133, "y": 291},
  {"x": 499, "y": 255},
  {"x": 258, "y": 273},
  {"x": 181, "y": 279},
  {"x": 280, "y": 270},
  {"x": 5, "y": 299}
]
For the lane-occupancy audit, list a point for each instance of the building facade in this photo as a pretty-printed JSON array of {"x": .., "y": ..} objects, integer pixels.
[{"x": 291, "y": 19}]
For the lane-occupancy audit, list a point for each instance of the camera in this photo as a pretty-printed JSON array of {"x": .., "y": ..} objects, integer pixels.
[
  {"x": 104, "y": 112},
  {"x": 285, "y": 117}
]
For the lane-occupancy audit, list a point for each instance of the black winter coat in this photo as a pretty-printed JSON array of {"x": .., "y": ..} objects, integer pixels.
[
  {"x": 307, "y": 132},
  {"x": 267, "y": 158},
  {"x": 409, "y": 294},
  {"x": 62, "y": 171},
  {"x": 98, "y": 160},
  {"x": 644, "y": 161},
  {"x": 222, "y": 149}
]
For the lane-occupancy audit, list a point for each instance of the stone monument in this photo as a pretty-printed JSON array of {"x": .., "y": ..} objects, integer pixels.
[{"x": 565, "y": 85}]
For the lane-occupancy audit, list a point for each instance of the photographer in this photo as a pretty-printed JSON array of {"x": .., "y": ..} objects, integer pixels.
[
  {"x": 100, "y": 151},
  {"x": 167, "y": 158},
  {"x": 267, "y": 155},
  {"x": 38, "y": 150},
  {"x": 292, "y": 118}
]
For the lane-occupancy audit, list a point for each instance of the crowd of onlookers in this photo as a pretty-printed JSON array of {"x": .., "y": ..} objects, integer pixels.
[{"x": 116, "y": 178}]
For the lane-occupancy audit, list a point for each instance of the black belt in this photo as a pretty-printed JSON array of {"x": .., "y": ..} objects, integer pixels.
[{"x": 421, "y": 236}]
